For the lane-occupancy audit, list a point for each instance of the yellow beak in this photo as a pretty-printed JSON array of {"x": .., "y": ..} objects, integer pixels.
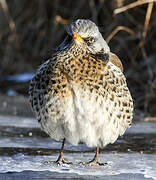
[{"x": 77, "y": 38}]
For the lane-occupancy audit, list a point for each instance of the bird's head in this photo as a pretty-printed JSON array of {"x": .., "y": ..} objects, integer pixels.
[{"x": 86, "y": 34}]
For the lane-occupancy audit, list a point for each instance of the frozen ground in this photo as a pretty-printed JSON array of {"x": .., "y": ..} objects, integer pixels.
[
  {"x": 119, "y": 165},
  {"x": 24, "y": 148}
]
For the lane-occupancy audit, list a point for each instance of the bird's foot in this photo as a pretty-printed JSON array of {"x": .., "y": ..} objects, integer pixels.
[
  {"x": 93, "y": 163},
  {"x": 59, "y": 161}
]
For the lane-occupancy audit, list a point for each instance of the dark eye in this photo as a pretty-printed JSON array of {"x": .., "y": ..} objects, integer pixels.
[{"x": 89, "y": 40}]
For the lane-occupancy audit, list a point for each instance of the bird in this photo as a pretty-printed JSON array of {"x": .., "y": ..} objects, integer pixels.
[{"x": 80, "y": 94}]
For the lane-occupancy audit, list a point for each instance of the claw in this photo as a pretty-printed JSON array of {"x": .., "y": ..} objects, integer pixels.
[
  {"x": 93, "y": 163},
  {"x": 58, "y": 162},
  {"x": 60, "y": 159}
]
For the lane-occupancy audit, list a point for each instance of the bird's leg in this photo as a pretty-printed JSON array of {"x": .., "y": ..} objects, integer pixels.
[
  {"x": 95, "y": 162},
  {"x": 60, "y": 159}
]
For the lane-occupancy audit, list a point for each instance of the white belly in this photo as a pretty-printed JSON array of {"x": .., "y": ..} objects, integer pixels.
[{"x": 87, "y": 120}]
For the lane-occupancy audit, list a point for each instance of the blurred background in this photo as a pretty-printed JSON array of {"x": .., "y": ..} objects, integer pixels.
[{"x": 31, "y": 30}]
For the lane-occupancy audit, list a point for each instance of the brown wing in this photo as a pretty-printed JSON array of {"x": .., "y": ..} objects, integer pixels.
[{"x": 116, "y": 61}]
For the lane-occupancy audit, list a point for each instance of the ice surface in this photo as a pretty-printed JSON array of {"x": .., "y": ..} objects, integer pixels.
[
  {"x": 142, "y": 128},
  {"x": 117, "y": 164},
  {"x": 23, "y": 122},
  {"x": 33, "y": 142},
  {"x": 137, "y": 128},
  {"x": 25, "y": 133}
]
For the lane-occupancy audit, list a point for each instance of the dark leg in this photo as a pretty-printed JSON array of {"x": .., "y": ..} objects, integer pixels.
[
  {"x": 95, "y": 162},
  {"x": 60, "y": 159}
]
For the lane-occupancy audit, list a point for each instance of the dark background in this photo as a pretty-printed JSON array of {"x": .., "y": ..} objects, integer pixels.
[{"x": 30, "y": 30}]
